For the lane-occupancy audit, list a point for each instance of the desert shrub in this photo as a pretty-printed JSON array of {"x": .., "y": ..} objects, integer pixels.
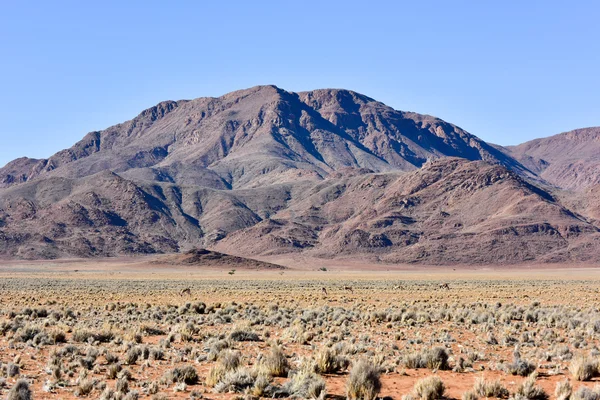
[
  {"x": 107, "y": 394},
  {"x": 413, "y": 361},
  {"x": 125, "y": 374},
  {"x": 275, "y": 363},
  {"x": 84, "y": 388},
  {"x": 227, "y": 361},
  {"x": 180, "y": 387},
  {"x": 304, "y": 384},
  {"x": 12, "y": 370},
  {"x": 111, "y": 358},
  {"x": 215, "y": 374},
  {"x": 20, "y": 391},
  {"x": 583, "y": 369},
  {"x": 133, "y": 395},
  {"x": 485, "y": 388},
  {"x": 436, "y": 358},
  {"x": 122, "y": 386},
  {"x": 364, "y": 382},
  {"x": 327, "y": 362},
  {"x": 41, "y": 339},
  {"x": 563, "y": 390},
  {"x": 87, "y": 362},
  {"x": 113, "y": 370},
  {"x": 82, "y": 335},
  {"x": 520, "y": 367},
  {"x": 235, "y": 381},
  {"x": 132, "y": 355},
  {"x": 429, "y": 388},
  {"x": 156, "y": 354},
  {"x": 259, "y": 389},
  {"x": 242, "y": 335},
  {"x": 26, "y": 333},
  {"x": 564, "y": 353},
  {"x": 187, "y": 375},
  {"x": 584, "y": 393},
  {"x": 530, "y": 391},
  {"x": 469, "y": 395}
]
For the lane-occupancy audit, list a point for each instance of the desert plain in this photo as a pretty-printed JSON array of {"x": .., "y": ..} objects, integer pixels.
[{"x": 128, "y": 328}]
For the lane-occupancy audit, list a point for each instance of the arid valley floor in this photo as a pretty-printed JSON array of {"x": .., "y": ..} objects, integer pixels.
[{"x": 124, "y": 329}]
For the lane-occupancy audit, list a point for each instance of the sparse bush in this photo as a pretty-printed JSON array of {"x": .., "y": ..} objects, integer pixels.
[
  {"x": 242, "y": 335},
  {"x": 429, "y": 388},
  {"x": 20, "y": 391},
  {"x": 113, "y": 370},
  {"x": 133, "y": 395},
  {"x": 530, "y": 391},
  {"x": 82, "y": 335},
  {"x": 235, "y": 381},
  {"x": 259, "y": 389},
  {"x": 364, "y": 382},
  {"x": 107, "y": 394},
  {"x": 304, "y": 384},
  {"x": 583, "y": 369},
  {"x": 520, "y": 367},
  {"x": 111, "y": 358},
  {"x": 132, "y": 355},
  {"x": 563, "y": 390},
  {"x": 485, "y": 388},
  {"x": 84, "y": 388},
  {"x": 436, "y": 358},
  {"x": 275, "y": 363},
  {"x": 12, "y": 370},
  {"x": 470, "y": 395},
  {"x": 327, "y": 362},
  {"x": 187, "y": 375},
  {"x": 228, "y": 361},
  {"x": 584, "y": 393},
  {"x": 122, "y": 386}
]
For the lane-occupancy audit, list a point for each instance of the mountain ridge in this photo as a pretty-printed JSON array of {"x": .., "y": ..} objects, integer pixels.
[
  {"x": 298, "y": 132},
  {"x": 327, "y": 173}
]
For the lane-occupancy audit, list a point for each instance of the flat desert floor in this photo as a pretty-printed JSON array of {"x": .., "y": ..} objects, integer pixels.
[{"x": 132, "y": 328}]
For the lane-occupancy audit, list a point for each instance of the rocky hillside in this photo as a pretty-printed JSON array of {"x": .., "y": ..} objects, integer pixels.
[
  {"x": 570, "y": 160},
  {"x": 263, "y": 171},
  {"x": 257, "y": 137}
]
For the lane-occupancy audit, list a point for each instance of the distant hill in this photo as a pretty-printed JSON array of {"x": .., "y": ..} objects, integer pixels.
[{"x": 570, "y": 160}]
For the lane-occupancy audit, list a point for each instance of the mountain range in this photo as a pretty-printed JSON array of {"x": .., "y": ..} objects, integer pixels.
[{"x": 326, "y": 173}]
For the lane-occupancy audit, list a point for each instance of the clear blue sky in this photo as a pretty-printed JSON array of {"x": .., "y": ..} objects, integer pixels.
[{"x": 507, "y": 71}]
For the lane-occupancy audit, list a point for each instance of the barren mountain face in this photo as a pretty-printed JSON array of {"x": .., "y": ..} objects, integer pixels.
[
  {"x": 569, "y": 160},
  {"x": 262, "y": 171},
  {"x": 256, "y": 137}
]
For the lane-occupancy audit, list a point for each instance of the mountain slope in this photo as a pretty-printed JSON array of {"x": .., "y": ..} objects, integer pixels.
[
  {"x": 450, "y": 211},
  {"x": 259, "y": 136},
  {"x": 569, "y": 160},
  {"x": 327, "y": 173}
]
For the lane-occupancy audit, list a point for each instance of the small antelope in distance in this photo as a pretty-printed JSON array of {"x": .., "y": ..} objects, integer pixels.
[
  {"x": 444, "y": 286},
  {"x": 324, "y": 291},
  {"x": 349, "y": 288},
  {"x": 187, "y": 291}
]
